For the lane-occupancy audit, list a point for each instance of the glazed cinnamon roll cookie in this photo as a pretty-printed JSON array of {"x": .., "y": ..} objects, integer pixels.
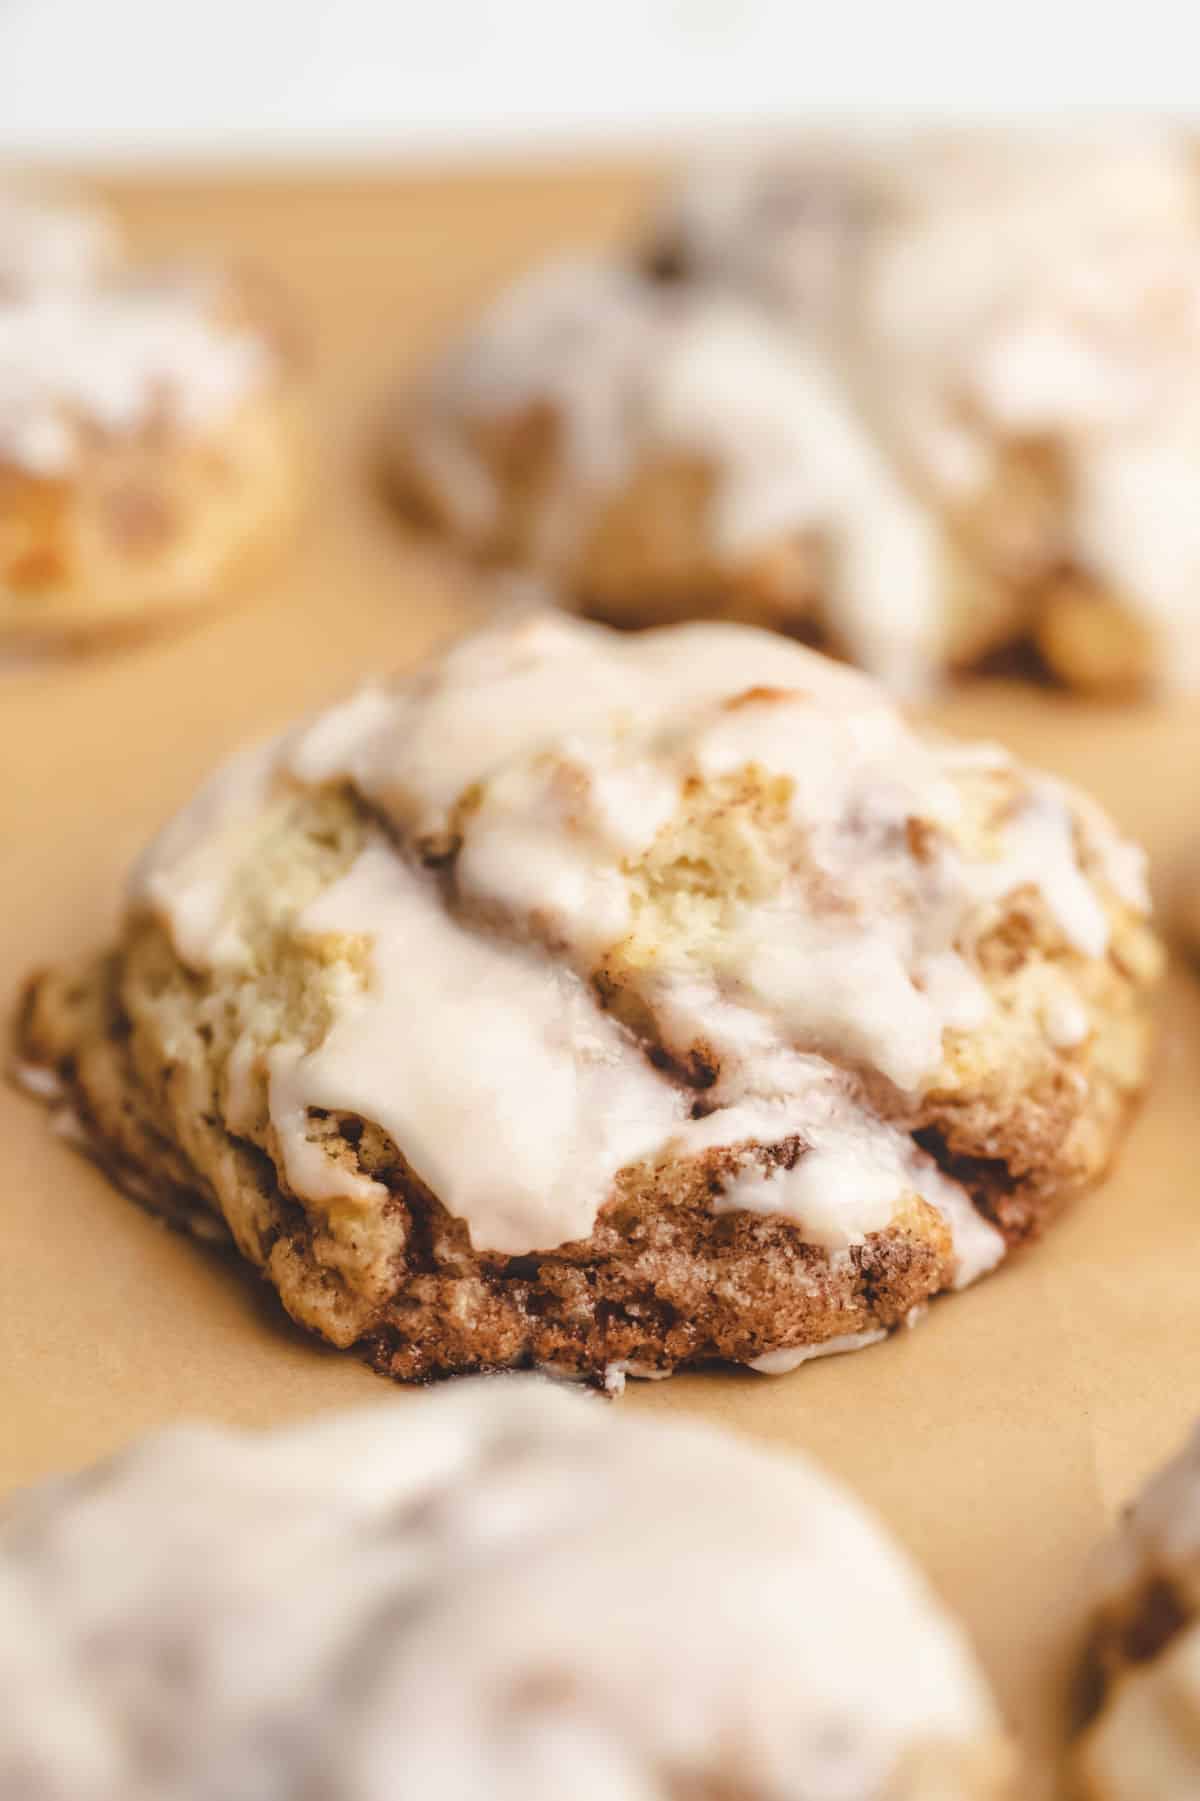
[
  {"x": 150, "y": 441},
  {"x": 504, "y": 1591},
  {"x": 1018, "y": 314},
  {"x": 1142, "y": 1742},
  {"x": 612, "y": 1003}
]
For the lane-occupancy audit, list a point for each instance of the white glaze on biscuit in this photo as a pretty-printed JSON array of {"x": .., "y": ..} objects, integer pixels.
[
  {"x": 782, "y": 1363},
  {"x": 632, "y": 371},
  {"x": 115, "y": 357},
  {"x": 1050, "y": 291},
  {"x": 94, "y": 350},
  {"x": 503, "y": 1590},
  {"x": 556, "y": 759},
  {"x": 456, "y": 1029}
]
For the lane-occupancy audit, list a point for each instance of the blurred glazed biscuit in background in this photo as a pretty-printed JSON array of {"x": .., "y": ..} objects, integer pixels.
[
  {"x": 151, "y": 448},
  {"x": 612, "y": 1003},
  {"x": 504, "y": 1592},
  {"x": 667, "y": 452},
  {"x": 919, "y": 396},
  {"x": 1142, "y": 1740}
]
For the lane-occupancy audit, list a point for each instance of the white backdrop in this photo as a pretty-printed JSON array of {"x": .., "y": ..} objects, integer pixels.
[{"x": 214, "y": 78}]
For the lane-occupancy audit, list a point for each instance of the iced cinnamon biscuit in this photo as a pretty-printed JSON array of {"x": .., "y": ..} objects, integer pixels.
[
  {"x": 612, "y": 1003},
  {"x": 1018, "y": 314},
  {"x": 665, "y": 451},
  {"x": 921, "y": 396},
  {"x": 149, "y": 437},
  {"x": 505, "y": 1592},
  {"x": 1142, "y": 1742}
]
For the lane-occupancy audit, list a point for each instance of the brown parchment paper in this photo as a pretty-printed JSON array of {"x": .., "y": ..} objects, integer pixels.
[{"x": 998, "y": 1439}]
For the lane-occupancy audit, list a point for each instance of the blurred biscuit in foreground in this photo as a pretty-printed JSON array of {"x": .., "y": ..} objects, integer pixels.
[{"x": 504, "y": 1592}]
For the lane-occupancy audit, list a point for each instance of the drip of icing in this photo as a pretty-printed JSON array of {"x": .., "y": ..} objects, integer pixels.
[
  {"x": 513, "y": 1097},
  {"x": 1040, "y": 853},
  {"x": 185, "y": 874},
  {"x": 783, "y": 1362},
  {"x": 580, "y": 336},
  {"x": 851, "y": 1177},
  {"x": 773, "y": 418}
]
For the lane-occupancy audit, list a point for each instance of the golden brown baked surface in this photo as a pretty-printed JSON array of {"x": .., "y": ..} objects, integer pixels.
[{"x": 804, "y": 1188}]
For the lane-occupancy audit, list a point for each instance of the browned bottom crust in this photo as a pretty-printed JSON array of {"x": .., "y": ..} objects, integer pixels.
[{"x": 663, "y": 1281}]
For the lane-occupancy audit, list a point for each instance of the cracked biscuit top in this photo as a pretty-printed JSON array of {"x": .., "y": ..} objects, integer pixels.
[{"x": 609, "y": 901}]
